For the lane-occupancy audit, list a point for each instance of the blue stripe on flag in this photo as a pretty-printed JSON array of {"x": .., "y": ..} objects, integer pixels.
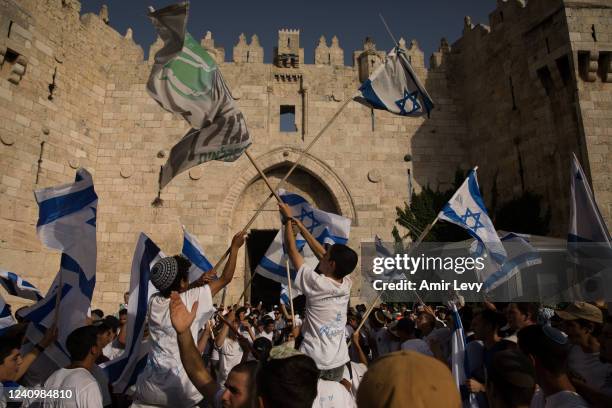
[
  {"x": 195, "y": 256},
  {"x": 86, "y": 286},
  {"x": 509, "y": 265},
  {"x": 475, "y": 191},
  {"x": 46, "y": 306},
  {"x": 280, "y": 270},
  {"x": 58, "y": 207},
  {"x": 293, "y": 199},
  {"x": 370, "y": 95}
]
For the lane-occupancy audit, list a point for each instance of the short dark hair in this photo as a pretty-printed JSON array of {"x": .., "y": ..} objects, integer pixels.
[
  {"x": 8, "y": 343},
  {"x": 493, "y": 318},
  {"x": 80, "y": 342},
  {"x": 262, "y": 346},
  {"x": 551, "y": 350},
  {"x": 513, "y": 377},
  {"x": 406, "y": 325},
  {"x": 112, "y": 322},
  {"x": 98, "y": 312},
  {"x": 101, "y": 326},
  {"x": 529, "y": 309},
  {"x": 123, "y": 312},
  {"x": 344, "y": 258},
  {"x": 247, "y": 367},
  {"x": 289, "y": 382},
  {"x": 182, "y": 274}
]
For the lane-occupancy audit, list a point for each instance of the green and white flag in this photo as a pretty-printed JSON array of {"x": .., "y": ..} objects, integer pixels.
[{"x": 186, "y": 80}]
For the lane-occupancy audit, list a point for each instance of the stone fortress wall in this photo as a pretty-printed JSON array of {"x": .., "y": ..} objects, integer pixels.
[{"x": 514, "y": 98}]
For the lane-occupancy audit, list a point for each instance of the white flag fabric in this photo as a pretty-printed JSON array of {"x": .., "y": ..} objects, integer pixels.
[
  {"x": 467, "y": 210},
  {"x": 66, "y": 222},
  {"x": 326, "y": 228},
  {"x": 16, "y": 286},
  {"x": 521, "y": 255},
  {"x": 458, "y": 355},
  {"x": 586, "y": 223},
  {"x": 284, "y": 294},
  {"x": 124, "y": 370},
  {"x": 6, "y": 319},
  {"x": 193, "y": 251},
  {"x": 394, "y": 87},
  {"x": 186, "y": 80}
]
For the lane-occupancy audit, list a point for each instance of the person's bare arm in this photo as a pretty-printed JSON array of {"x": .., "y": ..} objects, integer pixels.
[
  {"x": 355, "y": 342},
  {"x": 220, "y": 339},
  {"x": 49, "y": 337},
  {"x": 294, "y": 255},
  {"x": 190, "y": 356},
  {"x": 315, "y": 245},
  {"x": 204, "y": 337},
  {"x": 230, "y": 266}
]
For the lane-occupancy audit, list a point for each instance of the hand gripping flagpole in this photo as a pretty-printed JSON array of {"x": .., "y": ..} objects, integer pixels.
[{"x": 280, "y": 183}]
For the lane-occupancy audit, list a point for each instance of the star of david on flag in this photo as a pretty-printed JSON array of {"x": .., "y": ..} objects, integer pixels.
[
  {"x": 394, "y": 87},
  {"x": 327, "y": 228},
  {"x": 467, "y": 210}
]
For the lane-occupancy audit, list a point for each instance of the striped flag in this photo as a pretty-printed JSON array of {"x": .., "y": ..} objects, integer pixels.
[
  {"x": 186, "y": 80},
  {"x": 394, "y": 87},
  {"x": 6, "y": 319},
  {"x": 284, "y": 294},
  {"x": 327, "y": 228},
  {"x": 66, "y": 222},
  {"x": 458, "y": 358},
  {"x": 16, "y": 286},
  {"x": 521, "y": 255},
  {"x": 124, "y": 370},
  {"x": 193, "y": 251},
  {"x": 466, "y": 209}
]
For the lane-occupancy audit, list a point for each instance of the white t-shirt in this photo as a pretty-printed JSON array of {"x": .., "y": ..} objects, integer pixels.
[
  {"x": 325, "y": 318},
  {"x": 417, "y": 345},
  {"x": 589, "y": 367},
  {"x": 85, "y": 388},
  {"x": 164, "y": 380},
  {"x": 563, "y": 399},
  {"x": 354, "y": 376},
  {"x": 269, "y": 336},
  {"x": 230, "y": 355},
  {"x": 102, "y": 380},
  {"x": 112, "y": 350},
  {"x": 332, "y": 394}
]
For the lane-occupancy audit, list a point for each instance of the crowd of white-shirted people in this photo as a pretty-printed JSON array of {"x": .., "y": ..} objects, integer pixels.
[{"x": 214, "y": 355}]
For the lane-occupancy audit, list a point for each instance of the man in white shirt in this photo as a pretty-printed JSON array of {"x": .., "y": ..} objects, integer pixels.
[
  {"x": 82, "y": 344},
  {"x": 268, "y": 329},
  {"x": 231, "y": 347},
  {"x": 327, "y": 290},
  {"x": 163, "y": 381}
]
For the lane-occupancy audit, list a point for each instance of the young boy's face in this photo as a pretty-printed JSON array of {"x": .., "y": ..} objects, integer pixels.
[{"x": 10, "y": 366}]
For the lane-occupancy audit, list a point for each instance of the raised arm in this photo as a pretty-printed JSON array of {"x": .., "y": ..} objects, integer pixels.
[
  {"x": 49, "y": 337},
  {"x": 315, "y": 245},
  {"x": 230, "y": 266},
  {"x": 220, "y": 339},
  {"x": 294, "y": 255},
  {"x": 190, "y": 356}
]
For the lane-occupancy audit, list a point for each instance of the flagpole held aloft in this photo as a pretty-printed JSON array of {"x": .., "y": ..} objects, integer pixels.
[
  {"x": 290, "y": 291},
  {"x": 263, "y": 176},
  {"x": 279, "y": 185}
]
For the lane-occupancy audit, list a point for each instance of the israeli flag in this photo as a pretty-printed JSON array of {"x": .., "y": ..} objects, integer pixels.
[
  {"x": 6, "y": 318},
  {"x": 326, "y": 228},
  {"x": 467, "y": 210},
  {"x": 16, "y": 286},
  {"x": 458, "y": 358},
  {"x": 123, "y": 371},
  {"x": 586, "y": 223},
  {"x": 394, "y": 87},
  {"x": 194, "y": 252},
  {"x": 521, "y": 255},
  {"x": 66, "y": 222},
  {"x": 284, "y": 294}
]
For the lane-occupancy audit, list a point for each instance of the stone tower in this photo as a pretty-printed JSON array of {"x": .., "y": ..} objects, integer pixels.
[{"x": 288, "y": 53}]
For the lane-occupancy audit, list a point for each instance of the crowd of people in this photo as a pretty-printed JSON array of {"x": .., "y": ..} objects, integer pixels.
[{"x": 329, "y": 354}]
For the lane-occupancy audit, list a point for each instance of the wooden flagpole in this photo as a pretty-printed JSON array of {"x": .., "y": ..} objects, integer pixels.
[
  {"x": 279, "y": 185},
  {"x": 290, "y": 291}
]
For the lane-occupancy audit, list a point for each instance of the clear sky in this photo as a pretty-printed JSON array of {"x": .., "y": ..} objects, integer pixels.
[{"x": 351, "y": 20}]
